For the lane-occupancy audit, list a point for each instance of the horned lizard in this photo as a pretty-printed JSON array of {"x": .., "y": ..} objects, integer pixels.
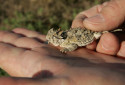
[{"x": 73, "y": 38}]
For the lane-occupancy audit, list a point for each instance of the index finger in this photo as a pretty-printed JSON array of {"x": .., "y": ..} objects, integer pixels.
[{"x": 29, "y": 33}]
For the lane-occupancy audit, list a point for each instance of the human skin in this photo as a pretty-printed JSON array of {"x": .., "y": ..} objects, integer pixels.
[
  {"x": 38, "y": 63},
  {"x": 30, "y": 61},
  {"x": 106, "y": 16}
]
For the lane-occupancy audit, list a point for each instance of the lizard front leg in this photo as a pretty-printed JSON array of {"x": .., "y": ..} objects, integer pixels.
[{"x": 70, "y": 47}]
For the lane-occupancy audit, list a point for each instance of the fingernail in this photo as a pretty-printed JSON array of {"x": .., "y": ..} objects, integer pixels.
[{"x": 95, "y": 19}]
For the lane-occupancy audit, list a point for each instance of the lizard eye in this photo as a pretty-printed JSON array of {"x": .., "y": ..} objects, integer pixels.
[{"x": 64, "y": 35}]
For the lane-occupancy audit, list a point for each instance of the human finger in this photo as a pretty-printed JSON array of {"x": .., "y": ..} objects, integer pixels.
[
  {"x": 21, "y": 62},
  {"x": 92, "y": 46},
  {"x": 8, "y": 58},
  {"x": 111, "y": 16},
  {"x": 78, "y": 21},
  {"x": 108, "y": 44},
  {"x": 121, "y": 52},
  {"x": 18, "y": 40},
  {"x": 29, "y": 33}
]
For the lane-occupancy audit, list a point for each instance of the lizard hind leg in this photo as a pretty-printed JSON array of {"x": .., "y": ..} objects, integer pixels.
[
  {"x": 64, "y": 50},
  {"x": 69, "y": 48}
]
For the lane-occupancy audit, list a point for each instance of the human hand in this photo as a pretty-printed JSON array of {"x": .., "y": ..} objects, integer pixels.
[
  {"x": 27, "y": 56},
  {"x": 106, "y": 16}
]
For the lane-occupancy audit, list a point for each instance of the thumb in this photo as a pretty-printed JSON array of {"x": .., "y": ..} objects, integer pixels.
[{"x": 110, "y": 16}]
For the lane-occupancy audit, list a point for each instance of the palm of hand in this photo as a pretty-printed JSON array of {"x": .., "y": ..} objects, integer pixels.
[{"x": 49, "y": 64}]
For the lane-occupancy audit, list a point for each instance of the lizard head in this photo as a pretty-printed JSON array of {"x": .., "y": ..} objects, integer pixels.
[{"x": 56, "y": 37}]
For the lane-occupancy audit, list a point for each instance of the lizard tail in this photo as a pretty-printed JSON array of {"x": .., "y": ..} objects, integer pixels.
[{"x": 116, "y": 30}]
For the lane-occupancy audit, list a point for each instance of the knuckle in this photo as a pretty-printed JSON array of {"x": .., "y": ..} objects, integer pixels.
[
  {"x": 99, "y": 8},
  {"x": 114, "y": 5},
  {"x": 21, "y": 40},
  {"x": 113, "y": 9},
  {"x": 105, "y": 3}
]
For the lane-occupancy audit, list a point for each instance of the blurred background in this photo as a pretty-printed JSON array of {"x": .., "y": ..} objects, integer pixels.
[{"x": 41, "y": 15}]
